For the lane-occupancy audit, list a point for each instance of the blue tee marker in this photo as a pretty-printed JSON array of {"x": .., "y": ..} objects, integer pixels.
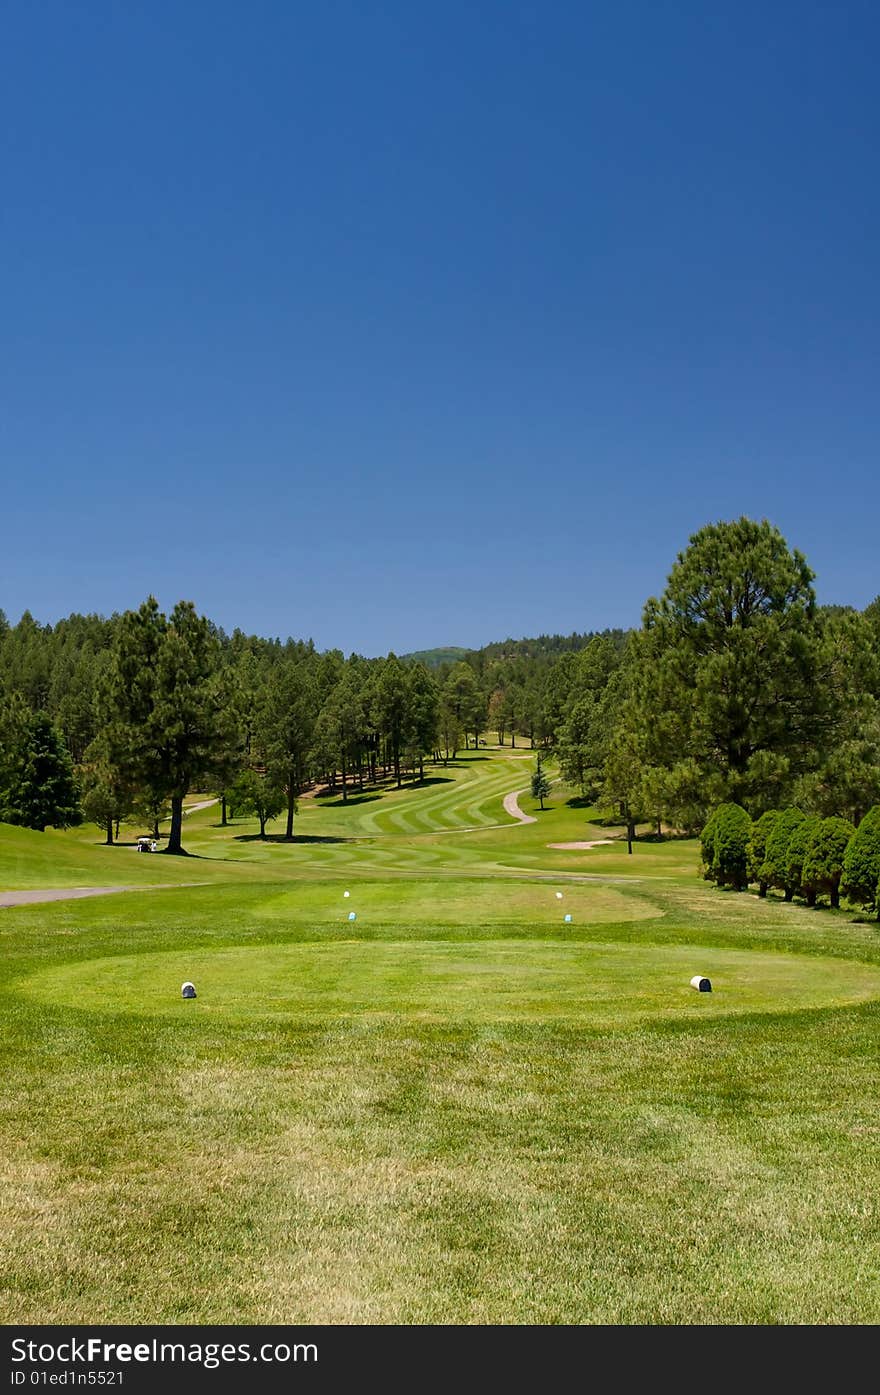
[
  {"x": 567, "y": 917},
  {"x": 352, "y": 916}
]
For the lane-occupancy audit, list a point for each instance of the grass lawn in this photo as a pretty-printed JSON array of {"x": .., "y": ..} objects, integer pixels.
[{"x": 457, "y": 1107}]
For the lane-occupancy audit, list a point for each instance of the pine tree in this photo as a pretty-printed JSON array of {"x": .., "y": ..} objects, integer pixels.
[
  {"x": 423, "y": 700},
  {"x": 170, "y": 719},
  {"x": 285, "y": 728},
  {"x": 730, "y": 662},
  {"x": 540, "y": 784},
  {"x": 42, "y": 790},
  {"x": 257, "y": 794}
]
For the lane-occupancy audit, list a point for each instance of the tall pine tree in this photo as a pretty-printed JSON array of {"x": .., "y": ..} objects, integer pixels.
[{"x": 41, "y": 788}]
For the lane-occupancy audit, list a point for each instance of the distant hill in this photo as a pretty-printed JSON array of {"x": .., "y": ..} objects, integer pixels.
[
  {"x": 542, "y": 647},
  {"x": 434, "y": 658},
  {"x": 546, "y": 646}
]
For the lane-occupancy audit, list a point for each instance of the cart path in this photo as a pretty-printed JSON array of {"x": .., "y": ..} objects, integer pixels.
[
  {"x": 511, "y": 806},
  {"x": 191, "y": 808},
  {"x": 73, "y": 893}
]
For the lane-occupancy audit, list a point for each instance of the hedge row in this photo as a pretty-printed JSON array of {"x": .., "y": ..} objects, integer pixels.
[{"x": 795, "y": 853}]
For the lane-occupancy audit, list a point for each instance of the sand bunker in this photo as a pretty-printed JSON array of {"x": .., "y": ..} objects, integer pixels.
[{"x": 578, "y": 847}]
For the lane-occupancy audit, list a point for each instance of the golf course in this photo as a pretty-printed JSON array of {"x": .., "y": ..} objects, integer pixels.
[{"x": 437, "y": 1071}]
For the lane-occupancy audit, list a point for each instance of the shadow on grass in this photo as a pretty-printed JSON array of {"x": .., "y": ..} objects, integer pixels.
[
  {"x": 282, "y": 838},
  {"x": 458, "y": 761},
  {"x": 669, "y": 835},
  {"x": 335, "y": 800},
  {"x": 164, "y": 852},
  {"x": 192, "y": 856}
]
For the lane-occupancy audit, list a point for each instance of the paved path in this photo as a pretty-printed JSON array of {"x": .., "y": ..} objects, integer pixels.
[
  {"x": 511, "y": 807},
  {"x": 73, "y": 893},
  {"x": 64, "y": 893},
  {"x": 191, "y": 809}
]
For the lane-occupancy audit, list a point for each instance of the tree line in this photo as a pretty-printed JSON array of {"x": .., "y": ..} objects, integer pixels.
[
  {"x": 798, "y": 854},
  {"x": 113, "y": 718},
  {"x": 736, "y": 688}
]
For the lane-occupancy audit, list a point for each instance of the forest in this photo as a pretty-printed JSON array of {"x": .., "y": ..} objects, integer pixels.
[{"x": 737, "y": 688}]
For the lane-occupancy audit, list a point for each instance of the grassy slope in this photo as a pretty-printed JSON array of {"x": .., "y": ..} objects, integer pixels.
[{"x": 423, "y": 1115}]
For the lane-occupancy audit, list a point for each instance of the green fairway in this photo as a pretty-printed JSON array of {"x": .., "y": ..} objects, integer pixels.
[{"x": 457, "y": 1107}]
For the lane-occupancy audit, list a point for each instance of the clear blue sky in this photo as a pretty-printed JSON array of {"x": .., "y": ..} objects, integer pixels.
[{"x": 397, "y": 324}]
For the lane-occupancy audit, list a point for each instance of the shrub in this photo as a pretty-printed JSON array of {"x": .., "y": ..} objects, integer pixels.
[
  {"x": 796, "y": 855},
  {"x": 861, "y": 862},
  {"x": 707, "y": 844},
  {"x": 774, "y": 870},
  {"x": 823, "y": 865},
  {"x": 757, "y": 850},
  {"x": 725, "y": 844}
]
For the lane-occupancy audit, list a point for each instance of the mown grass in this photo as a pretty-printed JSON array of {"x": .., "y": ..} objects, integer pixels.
[{"x": 457, "y": 1108}]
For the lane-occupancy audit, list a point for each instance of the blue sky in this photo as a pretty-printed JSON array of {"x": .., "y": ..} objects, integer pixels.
[{"x": 394, "y": 325}]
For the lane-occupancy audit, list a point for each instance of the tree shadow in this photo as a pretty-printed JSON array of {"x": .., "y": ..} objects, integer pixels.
[
  {"x": 193, "y": 857},
  {"x": 460, "y": 759},
  {"x": 282, "y": 838},
  {"x": 335, "y": 801}
]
